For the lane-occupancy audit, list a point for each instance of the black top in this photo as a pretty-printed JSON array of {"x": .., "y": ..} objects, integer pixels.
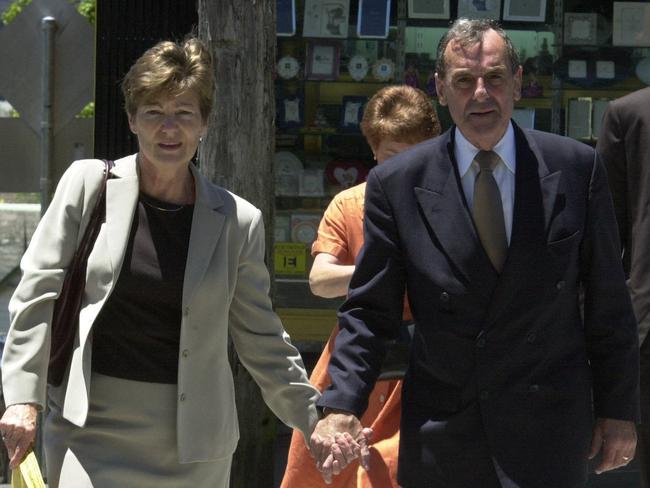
[{"x": 136, "y": 334}]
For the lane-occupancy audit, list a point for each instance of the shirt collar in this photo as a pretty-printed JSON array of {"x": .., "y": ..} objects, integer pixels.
[{"x": 465, "y": 151}]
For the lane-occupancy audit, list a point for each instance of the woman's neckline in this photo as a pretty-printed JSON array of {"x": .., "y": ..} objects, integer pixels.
[{"x": 161, "y": 205}]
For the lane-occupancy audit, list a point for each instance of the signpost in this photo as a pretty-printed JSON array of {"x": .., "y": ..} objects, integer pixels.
[{"x": 46, "y": 73}]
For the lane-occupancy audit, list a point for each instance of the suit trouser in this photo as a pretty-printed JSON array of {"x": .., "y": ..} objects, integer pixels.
[
  {"x": 496, "y": 478},
  {"x": 643, "y": 430}
]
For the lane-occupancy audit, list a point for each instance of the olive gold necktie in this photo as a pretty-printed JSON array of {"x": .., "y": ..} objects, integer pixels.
[{"x": 487, "y": 210}]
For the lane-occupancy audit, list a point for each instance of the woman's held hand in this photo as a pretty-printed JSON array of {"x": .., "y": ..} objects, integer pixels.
[{"x": 18, "y": 430}]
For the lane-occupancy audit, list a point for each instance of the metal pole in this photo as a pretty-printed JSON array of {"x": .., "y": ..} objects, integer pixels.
[
  {"x": 48, "y": 27},
  {"x": 400, "y": 44},
  {"x": 556, "y": 82}
]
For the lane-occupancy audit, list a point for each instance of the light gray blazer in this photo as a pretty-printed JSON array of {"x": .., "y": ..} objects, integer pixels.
[{"x": 225, "y": 291}]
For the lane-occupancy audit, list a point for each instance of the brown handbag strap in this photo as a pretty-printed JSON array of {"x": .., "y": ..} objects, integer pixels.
[
  {"x": 67, "y": 306},
  {"x": 98, "y": 214}
]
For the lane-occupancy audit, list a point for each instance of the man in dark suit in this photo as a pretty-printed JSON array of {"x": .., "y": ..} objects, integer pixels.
[
  {"x": 492, "y": 230},
  {"x": 624, "y": 148}
]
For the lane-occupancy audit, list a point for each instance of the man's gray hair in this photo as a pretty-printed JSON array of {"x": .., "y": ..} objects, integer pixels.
[{"x": 468, "y": 32}]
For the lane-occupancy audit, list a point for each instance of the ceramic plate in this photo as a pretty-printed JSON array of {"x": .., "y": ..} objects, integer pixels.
[
  {"x": 358, "y": 67},
  {"x": 383, "y": 69},
  {"x": 287, "y": 162},
  {"x": 643, "y": 70},
  {"x": 288, "y": 67}
]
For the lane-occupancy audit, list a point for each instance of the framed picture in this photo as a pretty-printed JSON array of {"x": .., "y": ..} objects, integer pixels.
[
  {"x": 351, "y": 113},
  {"x": 579, "y": 28},
  {"x": 373, "y": 19},
  {"x": 290, "y": 112},
  {"x": 631, "y": 21},
  {"x": 326, "y": 18},
  {"x": 577, "y": 68},
  {"x": 428, "y": 9},
  {"x": 322, "y": 61},
  {"x": 605, "y": 70},
  {"x": 285, "y": 25},
  {"x": 287, "y": 169},
  {"x": 311, "y": 183},
  {"x": 599, "y": 107},
  {"x": 282, "y": 228},
  {"x": 578, "y": 116},
  {"x": 479, "y": 9},
  {"x": 524, "y": 10}
]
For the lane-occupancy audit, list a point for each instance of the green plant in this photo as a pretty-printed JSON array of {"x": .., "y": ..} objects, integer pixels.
[
  {"x": 87, "y": 8},
  {"x": 84, "y": 7},
  {"x": 13, "y": 10},
  {"x": 88, "y": 111}
]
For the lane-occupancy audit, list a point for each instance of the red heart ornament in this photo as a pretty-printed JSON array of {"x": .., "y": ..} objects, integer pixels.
[{"x": 346, "y": 173}]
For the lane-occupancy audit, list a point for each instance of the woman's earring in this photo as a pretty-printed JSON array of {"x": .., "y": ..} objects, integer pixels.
[{"x": 201, "y": 139}]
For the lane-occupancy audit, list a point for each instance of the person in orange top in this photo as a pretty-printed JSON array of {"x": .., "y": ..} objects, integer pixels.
[{"x": 394, "y": 119}]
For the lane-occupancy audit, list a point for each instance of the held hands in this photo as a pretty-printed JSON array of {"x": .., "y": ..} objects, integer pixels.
[
  {"x": 337, "y": 440},
  {"x": 617, "y": 438},
  {"x": 18, "y": 429}
]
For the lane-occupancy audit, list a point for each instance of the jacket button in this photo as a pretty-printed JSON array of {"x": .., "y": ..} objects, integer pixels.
[
  {"x": 182, "y": 397},
  {"x": 185, "y": 353},
  {"x": 484, "y": 395},
  {"x": 560, "y": 284},
  {"x": 444, "y": 297},
  {"x": 481, "y": 342},
  {"x": 532, "y": 337},
  {"x": 533, "y": 388}
]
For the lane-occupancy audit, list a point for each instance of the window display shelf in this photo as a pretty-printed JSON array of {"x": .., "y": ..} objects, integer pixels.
[{"x": 316, "y": 137}]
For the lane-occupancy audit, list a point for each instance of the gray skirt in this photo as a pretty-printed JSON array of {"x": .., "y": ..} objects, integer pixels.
[{"x": 129, "y": 440}]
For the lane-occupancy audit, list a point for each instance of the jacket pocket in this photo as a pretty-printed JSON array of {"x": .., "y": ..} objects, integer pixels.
[{"x": 563, "y": 246}]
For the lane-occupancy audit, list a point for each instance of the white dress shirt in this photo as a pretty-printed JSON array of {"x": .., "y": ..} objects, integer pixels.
[{"x": 504, "y": 172}]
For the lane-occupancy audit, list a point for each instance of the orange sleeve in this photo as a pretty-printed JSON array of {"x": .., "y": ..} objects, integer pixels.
[{"x": 332, "y": 232}]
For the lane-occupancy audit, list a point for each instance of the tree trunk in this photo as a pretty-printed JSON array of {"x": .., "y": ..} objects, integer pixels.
[{"x": 237, "y": 153}]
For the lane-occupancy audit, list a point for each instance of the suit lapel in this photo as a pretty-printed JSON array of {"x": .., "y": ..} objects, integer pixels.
[
  {"x": 121, "y": 201},
  {"x": 537, "y": 202},
  {"x": 207, "y": 226},
  {"x": 443, "y": 205}
]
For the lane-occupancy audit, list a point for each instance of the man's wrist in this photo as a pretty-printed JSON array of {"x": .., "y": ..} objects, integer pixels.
[{"x": 328, "y": 410}]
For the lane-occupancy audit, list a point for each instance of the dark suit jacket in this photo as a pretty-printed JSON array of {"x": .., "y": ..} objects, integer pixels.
[
  {"x": 624, "y": 147},
  {"x": 502, "y": 366}
]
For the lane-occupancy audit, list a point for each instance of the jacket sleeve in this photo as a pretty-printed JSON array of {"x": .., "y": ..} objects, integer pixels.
[
  {"x": 26, "y": 353},
  {"x": 262, "y": 344},
  {"x": 612, "y": 153},
  {"x": 369, "y": 319},
  {"x": 609, "y": 323}
]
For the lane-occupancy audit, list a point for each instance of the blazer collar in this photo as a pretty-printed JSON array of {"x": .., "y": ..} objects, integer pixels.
[
  {"x": 552, "y": 193},
  {"x": 121, "y": 201},
  {"x": 207, "y": 225}
]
